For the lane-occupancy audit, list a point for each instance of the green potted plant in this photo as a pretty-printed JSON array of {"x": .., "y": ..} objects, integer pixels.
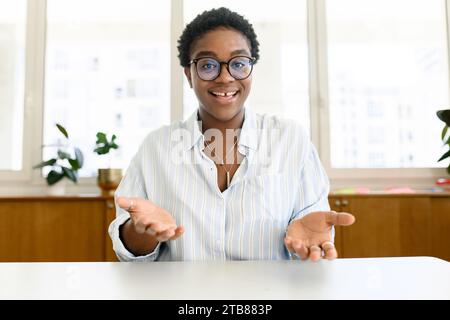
[
  {"x": 444, "y": 115},
  {"x": 64, "y": 166},
  {"x": 108, "y": 179}
]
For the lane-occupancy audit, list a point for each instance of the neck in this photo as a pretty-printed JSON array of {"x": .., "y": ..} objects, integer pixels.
[{"x": 209, "y": 122}]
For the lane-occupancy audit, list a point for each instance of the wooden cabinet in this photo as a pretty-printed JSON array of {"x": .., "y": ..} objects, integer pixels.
[
  {"x": 56, "y": 229},
  {"x": 440, "y": 228},
  {"x": 76, "y": 228},
  {"x": 394, "y": 225},
  {"x": 110, "y": 216}
]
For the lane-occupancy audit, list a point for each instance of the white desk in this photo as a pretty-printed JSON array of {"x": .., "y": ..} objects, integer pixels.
[{"x": 380, "y": 278}]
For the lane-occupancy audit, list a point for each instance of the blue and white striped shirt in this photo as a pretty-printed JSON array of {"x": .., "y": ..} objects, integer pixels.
[{"x": 280, "y": 179}]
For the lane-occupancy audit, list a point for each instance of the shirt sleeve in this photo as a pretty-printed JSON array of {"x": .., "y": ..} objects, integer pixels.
[
  {"x": 132, "y": 185},
  {"x": 313, "y": 188}
]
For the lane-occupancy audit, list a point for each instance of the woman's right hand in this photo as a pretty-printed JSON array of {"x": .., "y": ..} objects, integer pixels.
[{"x": 149, "y": 218}]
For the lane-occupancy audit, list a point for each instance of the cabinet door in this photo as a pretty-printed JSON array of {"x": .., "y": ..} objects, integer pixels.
[
  {"x": 440, "y": 225},
  {"x": 52, "y": 230},
  {"x": 110, "y": 255},
  {"x": 387, "y": 226}
]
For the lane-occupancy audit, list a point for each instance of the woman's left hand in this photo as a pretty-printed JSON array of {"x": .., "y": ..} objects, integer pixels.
[{"x": 308, "y": 236}]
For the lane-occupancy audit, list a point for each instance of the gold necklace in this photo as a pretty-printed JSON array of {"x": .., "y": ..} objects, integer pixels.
[{"x": 223, "y": 164}]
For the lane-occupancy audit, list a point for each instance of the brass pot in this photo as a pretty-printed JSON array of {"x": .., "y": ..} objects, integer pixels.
[{"x": 108, "y": 180}]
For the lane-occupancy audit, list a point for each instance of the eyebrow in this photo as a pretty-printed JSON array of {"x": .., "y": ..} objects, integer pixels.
[{"x": 212, "y": 54}]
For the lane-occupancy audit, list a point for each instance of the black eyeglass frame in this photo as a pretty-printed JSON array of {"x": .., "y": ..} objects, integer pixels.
[{"x": 227, "y": 63}]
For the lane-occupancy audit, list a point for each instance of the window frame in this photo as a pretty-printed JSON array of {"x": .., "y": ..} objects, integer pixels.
[
  {"x": 378, "y": 178},
  {"x": 33, "y": 93},
  {"x": 29, "y": 181}
]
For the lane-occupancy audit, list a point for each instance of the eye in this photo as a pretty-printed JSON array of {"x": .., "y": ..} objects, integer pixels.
[
  {"x": 240, "y": 64},
  {"x": 207, "y": 64}
]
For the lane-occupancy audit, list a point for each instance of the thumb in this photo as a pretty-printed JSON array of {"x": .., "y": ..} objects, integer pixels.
[
  {"x": 340, "y": 218},
  {"x": 127, "y": 203}
]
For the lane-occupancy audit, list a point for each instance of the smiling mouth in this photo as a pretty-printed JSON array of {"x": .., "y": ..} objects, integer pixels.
[{"x": 224, "y": 96}]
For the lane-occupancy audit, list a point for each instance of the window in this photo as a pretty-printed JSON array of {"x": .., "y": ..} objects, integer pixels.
[
  {"x": 280, "y": 78},
  {"x": 390, "y": 58},
  {"x": 364, "y": 77},
  {"x": 12, "y": 82},
  {"x": 107, "y": 69}
]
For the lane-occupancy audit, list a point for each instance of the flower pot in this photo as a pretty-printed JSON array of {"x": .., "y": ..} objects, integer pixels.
[
  {"x": 57, "y": 189},
  {"x": 108, "y": 180}
]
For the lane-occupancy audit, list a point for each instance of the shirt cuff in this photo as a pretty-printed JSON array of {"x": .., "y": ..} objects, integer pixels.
[{"x": 121, "y": 252}]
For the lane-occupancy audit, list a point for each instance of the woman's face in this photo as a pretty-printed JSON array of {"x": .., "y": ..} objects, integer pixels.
[{"x": 221, "y": 44}]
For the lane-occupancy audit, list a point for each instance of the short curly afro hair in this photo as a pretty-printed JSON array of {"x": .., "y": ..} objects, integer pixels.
[{"x": 210, "y": 20}]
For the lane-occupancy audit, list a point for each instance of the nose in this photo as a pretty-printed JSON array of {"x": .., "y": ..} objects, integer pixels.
[{"x": 224, "y": 75}]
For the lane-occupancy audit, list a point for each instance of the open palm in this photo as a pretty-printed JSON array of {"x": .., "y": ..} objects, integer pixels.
[{"x": 308, "y": 236}]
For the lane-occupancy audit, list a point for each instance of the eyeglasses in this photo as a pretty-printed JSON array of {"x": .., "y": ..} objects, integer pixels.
[{"x": 208, "y": 69}]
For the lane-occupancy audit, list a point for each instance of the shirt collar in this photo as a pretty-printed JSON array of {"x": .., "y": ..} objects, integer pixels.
[
  {"x": 249, "y": 134},
  {"x": 193, "y": 126},
  {"x": 248, "y": 138}
]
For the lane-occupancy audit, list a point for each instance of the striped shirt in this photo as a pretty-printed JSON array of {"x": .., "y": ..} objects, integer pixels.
[{"x": 279, "y": 180}]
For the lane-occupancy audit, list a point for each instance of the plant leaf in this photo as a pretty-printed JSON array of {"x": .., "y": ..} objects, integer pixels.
[
  {"x": 103, "y": 146},
  {"x": 63, "y": 130},
  {"x": 74, "y": 163},
  {"x": 445, "y": 156},
  {"x": 102, "y": 150},
  {"x": 53, "y": 177},
  {"x": 79, "y": 157},
  {"x": 70, "y": 174},
  {"x": 444, "y": 132},
  {"x": 101, "y": 137},
  {"x": 444, "y": 115},
  {"x": 45, "y": 163},
  {"x": 63, "y": 155}
]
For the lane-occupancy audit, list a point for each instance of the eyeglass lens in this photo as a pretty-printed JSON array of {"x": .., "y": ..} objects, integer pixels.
[{"x": 209, "y": 68}]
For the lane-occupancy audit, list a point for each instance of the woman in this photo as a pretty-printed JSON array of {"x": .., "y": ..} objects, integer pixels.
[{"x": 226, "y": 183}]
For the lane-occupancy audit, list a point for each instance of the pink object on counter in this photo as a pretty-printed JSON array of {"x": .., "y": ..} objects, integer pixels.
[
  {"x": 362, "y": 190},
  {"x": 400, "y": 190}
]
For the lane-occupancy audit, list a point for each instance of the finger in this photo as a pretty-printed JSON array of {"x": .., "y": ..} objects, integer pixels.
[
  {"x": 288, "y": 243},
  {"x": 134, "y": 204},
  {"x": 330, "y": 250},
  {"x": 153, "y": 228},
  {"x": 162, "y": 237},
  {"x": 315, "y": 253},
  {"x": 178, "y": 232},
  {"x": 150, "y": 231},
  {"x": 141, "y": 223},
  {"x": 167, "y": 227},
  {"x": 139, "y": 226},
  {"x": 128, "y": 203},
  {"x": 159, "y": 227},
  {"x": 156, "y": 227},
  {"x": 300, "y": 249},
  {"x": 340, "y": 218},
  {"x": 165, "y": 235},
  {"x": 169, "y": 233}
]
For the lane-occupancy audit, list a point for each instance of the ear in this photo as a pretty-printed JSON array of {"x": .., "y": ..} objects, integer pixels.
[{"x": 187, "y": 72}]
